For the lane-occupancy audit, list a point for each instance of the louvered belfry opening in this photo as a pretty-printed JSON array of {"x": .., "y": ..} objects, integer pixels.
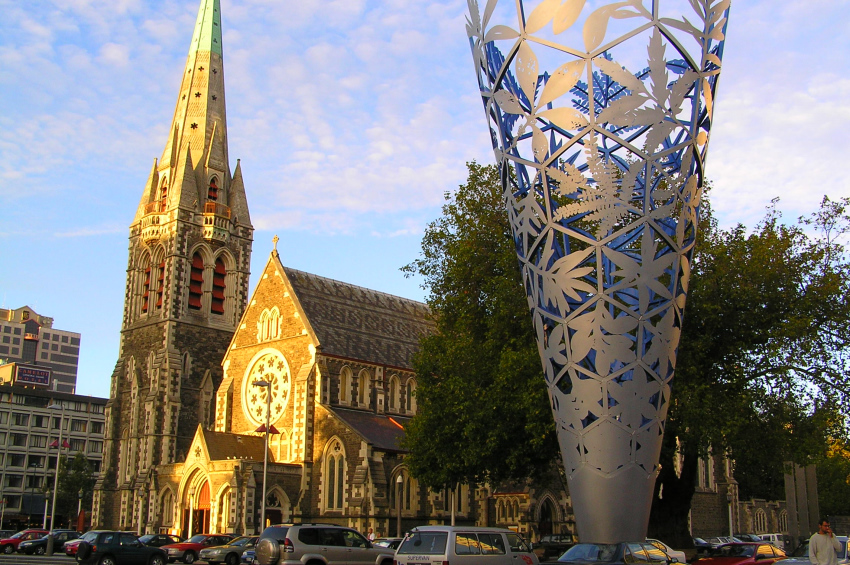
[
  {"x": 146, "y": 288},
  {"x": 160, "y": 284},
  {"x": 212, "y": 193},
  {"x": 196, "y": 282},
  {"x": 217, "y": 305},
  {"x": 163, "y": 197}
]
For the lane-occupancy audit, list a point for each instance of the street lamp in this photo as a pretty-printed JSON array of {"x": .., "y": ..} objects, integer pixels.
[
  {"x": 268, "y": 386},
  {"x": 398, "y": 483},
  {"x": 191, "y": 510},
  {"x": 46, "y": 500},
  {"x": 729, "y": 498},
  {"x": 79, "y": 508},
  {"x": 55, "y": 479},
  {"x": 2, "y": 509}
]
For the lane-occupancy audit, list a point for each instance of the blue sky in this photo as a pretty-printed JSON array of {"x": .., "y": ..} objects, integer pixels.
[{"x": 352, "y": 118}]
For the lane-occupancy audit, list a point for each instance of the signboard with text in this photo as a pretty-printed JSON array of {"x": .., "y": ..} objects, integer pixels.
[{"x": 32, "y": 376}]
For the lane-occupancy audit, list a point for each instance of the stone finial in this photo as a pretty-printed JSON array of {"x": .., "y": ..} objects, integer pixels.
[{"x": 275, "y": 239}]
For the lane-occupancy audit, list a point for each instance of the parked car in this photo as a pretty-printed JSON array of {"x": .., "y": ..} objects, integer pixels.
[
  {"x": 248, "y": 556},
  {"x": 778, "y": 540},
  {"x": 635, "y": 553},
  {"x": 703, "y": 547},
  {"x": 674, "y": 553},
  {"x": 552, "y": 546},
  {"x": 325, "y": 544},
  {"x": 744, "y": 553},
  {"x": 749, "y": 537},
  {"x": 722, "y": 540},
  {"x": 118, "y": 548},
  {"x": 39, "y": 546},
  {"x": 10, "y": 544},
  {"x": 158, "y": 540},
  {"x": 187, "y": 551},
  {"x": 72, "y": 546},
  {"x": 389, "y": 543},
  {"x": 800, "y": 556},
  {"x": 230, "y": 553},
  {"x": 460, "y": 545}
]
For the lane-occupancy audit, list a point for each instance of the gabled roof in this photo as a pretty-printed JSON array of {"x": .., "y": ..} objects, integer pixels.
[
  {"x": 380, "y": 430},
  {"x": 353, "y": 322},
  {"x": 224, "y": 445}
]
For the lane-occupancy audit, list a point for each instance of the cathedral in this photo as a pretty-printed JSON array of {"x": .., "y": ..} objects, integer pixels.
[{"x": 311, "y": 374}]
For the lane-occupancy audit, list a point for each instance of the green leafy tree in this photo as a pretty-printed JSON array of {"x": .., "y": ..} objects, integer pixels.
[
  {"x": 75, "y": 475},
  {"x": 834, "y": 481},
  {"x": 483, "y": 411}
]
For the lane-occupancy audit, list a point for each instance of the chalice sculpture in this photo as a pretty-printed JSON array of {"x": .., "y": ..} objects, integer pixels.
[{"x": 599, "y": 114}]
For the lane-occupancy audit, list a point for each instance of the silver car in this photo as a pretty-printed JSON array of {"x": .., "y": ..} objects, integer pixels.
[
  {"x": 800, "y": 556},
  {"x": 317, "y": 544}
]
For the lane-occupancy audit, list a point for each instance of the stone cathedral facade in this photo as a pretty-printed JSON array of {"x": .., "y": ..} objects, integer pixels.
[{"x": 184, "y": 442}]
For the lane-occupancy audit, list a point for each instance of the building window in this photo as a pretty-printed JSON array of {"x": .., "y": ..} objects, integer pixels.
[
  {"x": 4, "y": 417},
  {"x": 344, "y": 385},
  {"x": 163, "y": 196},
  {"x": 17, "y": 459},
  {"x": 392, "y": 393},
  {"x": 38, "y": 441},
  {"x": 20, "y": 420},
  {"x": 363, "y": 388},
  {"x": 269, "y": 325},
  {"x": 78, "y": 425},
  {"x": 14, "y": 481},
  {"x": 78, "y": 445},
  {"x": 212, "y": 192},
  {"x": 95, "y": 447},
  {"x": 34, "y": 481},
  {"x": 196, "y": 282},
  {"x": 18, "y": 440},
  {"x": 760, "y": 521},
  {"x": 146, "y": 283},
  {"x": 97, "y": 427},
  {"x": 98, "y": 409},
  {"x": 410, "y": 398},
  {"x": 335, "y": 476},
  {"x": 160, "y": 284},
  {"x": 217, "y": 304}
]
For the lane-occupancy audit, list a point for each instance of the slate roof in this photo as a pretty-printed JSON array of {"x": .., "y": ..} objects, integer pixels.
[
  {"x": 358, "y": 323},
  {"x": 377, "y": 429},
  {"x": 224, "y": 445}
]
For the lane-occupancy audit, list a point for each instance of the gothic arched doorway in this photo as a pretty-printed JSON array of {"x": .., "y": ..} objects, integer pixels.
[
  {"x": 547, "y": 517},
  {"x": 198, "y": 510}
]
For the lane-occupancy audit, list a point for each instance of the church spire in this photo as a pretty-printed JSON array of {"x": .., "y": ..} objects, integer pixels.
[{"x": 198, "y": 133}]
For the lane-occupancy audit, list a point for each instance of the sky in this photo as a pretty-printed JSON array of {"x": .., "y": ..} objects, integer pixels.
[{"x": 352, "y": 119}]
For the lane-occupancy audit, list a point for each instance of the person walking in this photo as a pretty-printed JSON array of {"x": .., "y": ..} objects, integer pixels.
[{"x": 823, "y": 545}]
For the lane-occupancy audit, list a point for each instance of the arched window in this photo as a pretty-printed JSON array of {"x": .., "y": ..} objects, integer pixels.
[
  {"x": 268, "y": 327},
  {"x": 217, "y": 304},
  {"x": 363, "y": 388},
  {"x": 392, "y": 393},
  {"x": 163, "y": 195},
  {"x": 407, "y": 493},
  {"x": 166, "y": 511},
  {"x": 760, "y": 521},
  {"x": 212, "y": 192},
  {"x": 783, "y": 521},
  {"x": 344, "y": 385},
  {"x": 146, "y": 282},
  {"x": 410, "y": 399},
  {"x": 335, "y": 476},
  {"x": 196, "y": 282},
  {"x": 160, "y": 283}
]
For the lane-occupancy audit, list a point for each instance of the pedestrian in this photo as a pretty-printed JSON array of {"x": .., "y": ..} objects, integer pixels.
[
  {"x": 823, "y": 546},
  {"x": 371, "y": 535}
]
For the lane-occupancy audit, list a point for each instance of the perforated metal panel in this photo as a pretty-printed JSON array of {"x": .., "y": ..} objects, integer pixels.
[{"x": 600, "y": 118}]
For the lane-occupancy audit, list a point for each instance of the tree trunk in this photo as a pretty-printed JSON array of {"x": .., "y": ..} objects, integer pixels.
[{"x": 668, "y": 520}]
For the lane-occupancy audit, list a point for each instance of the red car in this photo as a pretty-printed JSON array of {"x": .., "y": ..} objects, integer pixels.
[
  {"x": 188, "y": 550},
  {"x": 71, "y": 546},
  {"x": 10, "y": 545},
  {"x": 743, "y": 554}
]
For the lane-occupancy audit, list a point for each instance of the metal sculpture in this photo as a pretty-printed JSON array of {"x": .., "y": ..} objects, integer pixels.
[{"x": 602, "y": 169}]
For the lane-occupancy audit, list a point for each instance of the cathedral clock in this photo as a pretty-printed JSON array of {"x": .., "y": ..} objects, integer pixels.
[{"x": 269, "y": 365}]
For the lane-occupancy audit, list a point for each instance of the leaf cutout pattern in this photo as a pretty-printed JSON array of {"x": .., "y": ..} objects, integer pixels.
[{"x": 603, "y": 178}]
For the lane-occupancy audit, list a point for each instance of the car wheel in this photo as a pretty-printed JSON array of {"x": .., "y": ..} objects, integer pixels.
[
  {"x": 189, "y": 557},
  {"x": 106, "y": 560},
  {"x": 8, "y": 549},
  {"x": 157, "y": 560},
  {"x": 39, "y": 550},
  {"x": 232, "y": 559}
]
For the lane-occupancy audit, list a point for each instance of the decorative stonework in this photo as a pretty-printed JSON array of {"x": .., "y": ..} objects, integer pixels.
[{"x": 268, "y": 365}]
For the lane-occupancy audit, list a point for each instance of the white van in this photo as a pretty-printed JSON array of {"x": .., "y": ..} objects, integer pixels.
[
  {"x": 461, "y": 545},
  {"x": 776, "y": 540}
]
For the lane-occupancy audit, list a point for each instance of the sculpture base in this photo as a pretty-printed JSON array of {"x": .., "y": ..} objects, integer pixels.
[{"x": 614, "y": 508}]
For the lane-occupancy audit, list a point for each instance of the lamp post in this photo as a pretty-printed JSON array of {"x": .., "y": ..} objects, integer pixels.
[
  {"x": 55, "y": 479},
  {"x": 268, "y": 386},
  {"x": 729, "y": 499},
  {"x": 398, "y": 483},
  {"x": 2, "y": 509},
  {"x": 79, "y": 505},
  {"x": 46, "y": 500},
  {"x": 191, "y": 510}
]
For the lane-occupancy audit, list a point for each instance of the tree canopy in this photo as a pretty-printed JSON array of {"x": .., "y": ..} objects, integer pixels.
[
  {"x": 75, "y": 475},
  {"x": 762, "y": 357}
]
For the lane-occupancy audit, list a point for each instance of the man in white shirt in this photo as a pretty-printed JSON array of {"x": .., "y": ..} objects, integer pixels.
[{"x": 823, "y": 546}]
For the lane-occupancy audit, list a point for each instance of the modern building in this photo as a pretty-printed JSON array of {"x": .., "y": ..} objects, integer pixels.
[
  {"x": 29, "y": 434},
  {"x": 30, "y": 338}
]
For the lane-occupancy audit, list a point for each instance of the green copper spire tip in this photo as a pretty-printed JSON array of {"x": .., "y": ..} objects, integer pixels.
[{"x": 207, "y": 35}]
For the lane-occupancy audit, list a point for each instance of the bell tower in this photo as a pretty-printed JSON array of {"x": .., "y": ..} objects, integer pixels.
[{"x": 186, "y": 290}]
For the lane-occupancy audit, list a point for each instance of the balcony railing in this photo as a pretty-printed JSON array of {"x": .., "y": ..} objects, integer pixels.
[{"x": 217, "y": 209}]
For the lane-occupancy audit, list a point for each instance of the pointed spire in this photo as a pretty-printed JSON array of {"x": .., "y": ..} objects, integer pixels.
[
  {"x": 186, "y": 184},
  {"x": 148, "y": 194},
  {"x": 238, "y": 202},
  {"x": 207, "y": 36}
]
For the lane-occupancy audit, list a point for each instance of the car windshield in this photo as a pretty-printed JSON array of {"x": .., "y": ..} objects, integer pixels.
[
  {"x": 604, "y": 552},
  {"x": 147, "y": 538},
  {"x": 239, "y": 541},
  {"x": 196, "y": 539},
  {"x": 736, "y": 550},
  {"x": 17, "y": 536},
  {"x": 89, "y": 536},
  {"x": 431, "y": 543}
]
